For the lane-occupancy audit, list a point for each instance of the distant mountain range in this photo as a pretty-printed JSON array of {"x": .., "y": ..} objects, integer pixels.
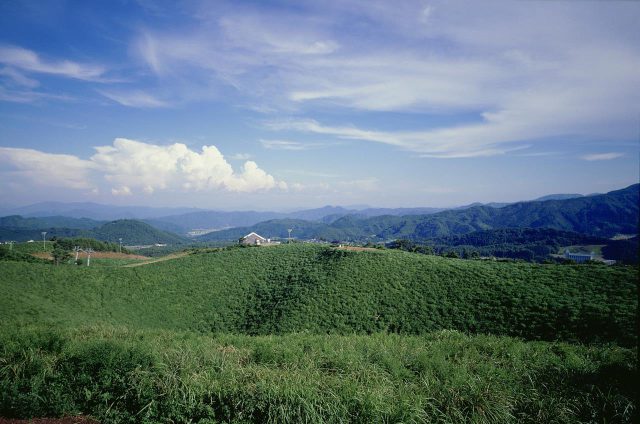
[
  {"x": 599, "y": 215},
  {"x": 183, "y": 220},
  {"x": 94, "y": 211}
]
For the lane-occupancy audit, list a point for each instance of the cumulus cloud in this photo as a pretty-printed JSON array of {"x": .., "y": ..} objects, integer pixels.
[
  {"x": 602, "y": 156},
  {"x": 131, "y": 167}
]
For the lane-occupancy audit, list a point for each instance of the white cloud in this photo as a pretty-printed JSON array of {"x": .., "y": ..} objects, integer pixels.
[
  {"x": 440, "y": 143},
  {"x": 131, "y": 167},
  {"x": 47, "y": 169},
  {"x": 18, "y": 78},
  {"x": 240, "y": 156},
  {"x": 30, "y": 61},
  {"x": 29, "y": 96},
  {"x": 602, "y": 156},
  {"x": 121, "y": 191},
  {"x": 152, "y": 167},
  {"x": 272, "y": 34},
  {"x": 287, "y": 145},
  {"x": 574, "y": 78},
  {"x": 135, "y": 98}
]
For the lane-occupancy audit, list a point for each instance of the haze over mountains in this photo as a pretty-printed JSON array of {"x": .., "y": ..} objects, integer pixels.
[
  {"x": 597, "y": 215},
  {"x": 184, "y": 219}
]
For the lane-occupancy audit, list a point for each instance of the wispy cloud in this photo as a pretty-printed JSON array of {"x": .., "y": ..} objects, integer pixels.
[
  {"x": 30, "y": 96},
  {"x": 30, "y": 61},
  {"x": 602, "y": 156},
  {"x": 288, "y": 145},
  {"x": 134, "y": 98},
  {"x": 444, "y": 58},
  {"x": 240, "y": 156},
  {"x": 18, "y": 78},
  {"x": 439, "y": 143}
]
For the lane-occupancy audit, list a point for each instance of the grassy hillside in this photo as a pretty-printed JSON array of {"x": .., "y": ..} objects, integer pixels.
[
  {"x": 133, "y": 376},
  {"x": 303, "y": 333},
  {"x": 293, "y": 288}
]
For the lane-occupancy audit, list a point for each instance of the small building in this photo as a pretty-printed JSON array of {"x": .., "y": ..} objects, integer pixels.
[
  {"x": 254, "y": 239},
  {"x": 579, "y": 257}
]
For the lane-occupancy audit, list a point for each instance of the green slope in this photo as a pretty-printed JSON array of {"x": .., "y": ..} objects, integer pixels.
[
  {"x": 294, "y": 288},
  {"x": 135, "y": 232}
]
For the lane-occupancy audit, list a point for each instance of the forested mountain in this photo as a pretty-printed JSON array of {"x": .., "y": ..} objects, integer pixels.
[
  {"x": 600, "y": 215},
  {"x": 131, "y": 231},
  {"x": 134, "y": 232},
  {"x": 531, "y": 244},
  {"x": 17, "y": 221},
  {"x": 558, "y": 197}
]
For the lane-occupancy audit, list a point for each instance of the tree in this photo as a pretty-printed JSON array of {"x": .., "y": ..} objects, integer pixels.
[{"x": 60, "y": 254}]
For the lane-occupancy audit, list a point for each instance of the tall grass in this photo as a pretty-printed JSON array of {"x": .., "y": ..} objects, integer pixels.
[{"x": 122, "y": 376}]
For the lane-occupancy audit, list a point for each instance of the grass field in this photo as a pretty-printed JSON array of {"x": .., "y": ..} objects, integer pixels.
[
  {"x": 303, "y": 333},
  {"x": 120, "y": 375}
]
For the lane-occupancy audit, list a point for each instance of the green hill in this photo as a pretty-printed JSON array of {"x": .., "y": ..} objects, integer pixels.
[
  {"x": 304, "y": 333},
  {"x": 293, "y": 288},
  {"x": 133, "y": 232}
]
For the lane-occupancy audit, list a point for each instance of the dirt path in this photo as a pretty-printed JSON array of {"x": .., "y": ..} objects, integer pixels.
[
  {"x": 153, "y": 261},
  {"x": 358, "y": 248}
]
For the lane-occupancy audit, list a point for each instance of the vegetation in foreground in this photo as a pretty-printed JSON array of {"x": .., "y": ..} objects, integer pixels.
[
  {"x": 124, "y": 376},
  {"x": 284, "y": 289},
  {"x": 239, "y": 335}
]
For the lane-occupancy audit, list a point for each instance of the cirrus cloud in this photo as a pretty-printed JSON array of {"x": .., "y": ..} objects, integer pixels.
[{"x": 602, "y": 156}]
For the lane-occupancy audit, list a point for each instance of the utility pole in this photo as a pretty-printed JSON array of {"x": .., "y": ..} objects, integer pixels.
[
  {"x": 89, "y": 252},
  {"x": 289, "y": 230},
  {"x": 44, "y": 243},
  {"x": 120, "y": 248},
  {"x": 77, "y": 250}
]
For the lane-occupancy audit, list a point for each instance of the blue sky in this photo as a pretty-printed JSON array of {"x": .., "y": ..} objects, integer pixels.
[{"x": 275, "y": 105}]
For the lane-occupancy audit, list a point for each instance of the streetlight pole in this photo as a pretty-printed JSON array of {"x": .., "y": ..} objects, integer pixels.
[{"x": 44, "y": 243}]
